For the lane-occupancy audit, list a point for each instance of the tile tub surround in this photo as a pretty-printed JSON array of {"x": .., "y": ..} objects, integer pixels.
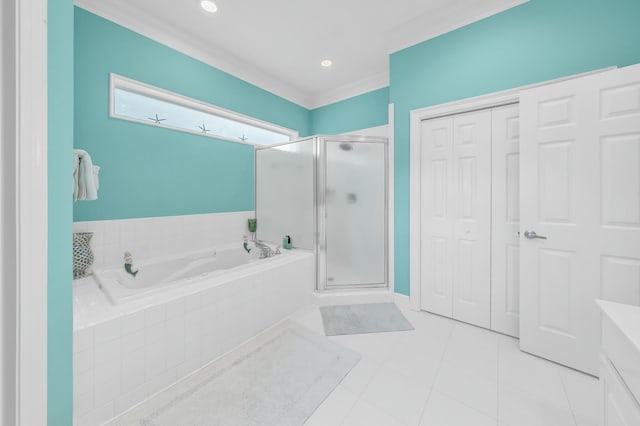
[
  {"x": 120, "y": 361},
  {"x": 151, "y": 237}
]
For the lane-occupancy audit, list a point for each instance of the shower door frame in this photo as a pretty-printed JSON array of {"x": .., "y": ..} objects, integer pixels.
[
  {"x": 319, "y": 205},
  {"x": 321, "y": 213}
]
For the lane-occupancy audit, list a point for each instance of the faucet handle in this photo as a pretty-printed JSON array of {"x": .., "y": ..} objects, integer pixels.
[{"x": 278, "y": 250}]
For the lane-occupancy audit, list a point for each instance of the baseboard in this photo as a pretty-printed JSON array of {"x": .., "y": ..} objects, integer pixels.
[
  {"x": 353, "y": 297},
  {"x": 402, "y": 301}
]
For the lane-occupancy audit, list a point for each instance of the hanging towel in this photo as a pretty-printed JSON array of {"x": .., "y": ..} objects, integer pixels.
[
  {"x": 76, "y": 169},
  {"x": 96, "y": 179},
  {"x": 85, "y": 176}
]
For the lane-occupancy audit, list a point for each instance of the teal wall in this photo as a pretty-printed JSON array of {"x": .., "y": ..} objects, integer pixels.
[
  {"x": 147, "y": 171},
  {"x": 60, "y": 144},
  {"x": 360, "y": 112},
  {"x": 537, "y": 41}
]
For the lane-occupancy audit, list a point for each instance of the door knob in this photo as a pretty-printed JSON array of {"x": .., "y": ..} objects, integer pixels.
[{"x": 532, "y": 235}]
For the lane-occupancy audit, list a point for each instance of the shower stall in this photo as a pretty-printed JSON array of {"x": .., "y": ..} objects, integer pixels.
[{"x": 328, "y": 194}]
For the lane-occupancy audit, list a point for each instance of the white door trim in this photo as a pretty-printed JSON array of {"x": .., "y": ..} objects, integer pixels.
[
  {"x": 391, "y": 239},
  {"x": 490, "y": 100},
  {"x": 7, "y": 224},
  {"x": 24, "y": 201},
  {"x": 505, "y": 219}
]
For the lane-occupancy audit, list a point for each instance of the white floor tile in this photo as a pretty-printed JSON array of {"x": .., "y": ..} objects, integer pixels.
[
  {"x": 376, "y": 346},
  {"x": 519, "y": 407},
  {"x": 443, "y": 373},
  {"x": 474, "y": 390},
  {"x": 584, "y": 396},
  {"x": 402, "y": 397},
  {"x": 334, "y": 409},
  {"x": 417, "y": 354},
  {"x": 434, "y": 326},
  {"x": 478, "y": 377},
  {"x": 310, "y": 318},
  {"x": 534, "y": 375},
  {"x": 474, "y": 363},
  {"x": 442, "y": 410},
  {"x": 365, "y": 414},
  {"x": 360, "y": 376},
  {"x": 473, "y": 351}
]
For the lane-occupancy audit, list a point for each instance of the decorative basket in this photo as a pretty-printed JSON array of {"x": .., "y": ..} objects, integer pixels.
[{"x": 82, "y": 254}]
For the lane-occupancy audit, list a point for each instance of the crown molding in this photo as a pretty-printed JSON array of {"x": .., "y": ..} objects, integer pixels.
[
  {"x": 417, "y": 30},
  {"x": 411, "y": 33},
  {"x": 195, "y": 48},
  {"x": 367, "y": 84}
]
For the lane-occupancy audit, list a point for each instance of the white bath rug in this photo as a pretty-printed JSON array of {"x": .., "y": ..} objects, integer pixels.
[
  {"x": 363, "y": 318},
  {"x": 278, "y": 379}
]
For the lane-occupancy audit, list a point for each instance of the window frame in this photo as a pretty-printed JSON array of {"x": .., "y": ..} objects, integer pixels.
[{"x": 117, "y": 81}]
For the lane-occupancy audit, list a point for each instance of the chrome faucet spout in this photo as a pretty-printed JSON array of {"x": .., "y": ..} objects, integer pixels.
[{"x": 265, "y": 250}]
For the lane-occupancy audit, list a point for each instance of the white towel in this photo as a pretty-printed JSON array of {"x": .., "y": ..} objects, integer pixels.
[
  {"x": 76, "y": 168},
  {"x": 96, "y": 178},
  {"x": 85, "y": 176}
]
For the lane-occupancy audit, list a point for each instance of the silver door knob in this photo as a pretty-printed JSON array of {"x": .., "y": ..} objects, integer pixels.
[{"x": 532, "y": 235}]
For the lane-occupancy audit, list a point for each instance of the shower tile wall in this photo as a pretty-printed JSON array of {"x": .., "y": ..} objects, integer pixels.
[{"x": 160, "y": 236}]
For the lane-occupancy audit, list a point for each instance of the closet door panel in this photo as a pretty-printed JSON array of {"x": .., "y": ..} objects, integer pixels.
[
  {"x": 471, "y": 215},
  {"x": 437, "y": 246},
  {"x": 580, "y": 175},
  {"x": 505, "y": 212}
]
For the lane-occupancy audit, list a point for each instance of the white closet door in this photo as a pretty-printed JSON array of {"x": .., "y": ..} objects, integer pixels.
[
  {"x": 471, "y": 191},
  {"x": 580, "y": 188},
  {"x": 505, "y": 219},
  {"x": 437, "y": 216}
]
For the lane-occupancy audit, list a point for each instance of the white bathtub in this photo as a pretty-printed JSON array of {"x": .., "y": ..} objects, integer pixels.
[
  {"x": 182, "y": 271},
  {"x": 162, "y": 329}
]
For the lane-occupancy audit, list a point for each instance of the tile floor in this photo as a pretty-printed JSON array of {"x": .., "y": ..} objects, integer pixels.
[{"x": 447, "y": 373}]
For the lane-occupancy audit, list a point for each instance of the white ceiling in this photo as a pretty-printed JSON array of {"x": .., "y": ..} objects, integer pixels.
[{"x": 278, "y": 44}]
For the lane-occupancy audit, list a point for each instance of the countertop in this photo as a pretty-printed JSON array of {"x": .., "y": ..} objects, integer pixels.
[{"x": 625, "y": 317}]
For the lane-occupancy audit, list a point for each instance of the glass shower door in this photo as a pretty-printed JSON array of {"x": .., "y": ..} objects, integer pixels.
[{"x": 355, "y": 214}]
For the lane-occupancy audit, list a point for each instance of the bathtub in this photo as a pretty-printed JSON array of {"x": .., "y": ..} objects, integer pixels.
[
  {"x": 179, "y": 314},
  {"x": 180, "y": 272}
]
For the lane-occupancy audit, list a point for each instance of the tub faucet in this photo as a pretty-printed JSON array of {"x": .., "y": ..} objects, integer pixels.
[
  {"x": 128, "y": 264},
  {"x": 245, "y": 244},
  {"x": 265, "y": 250}
]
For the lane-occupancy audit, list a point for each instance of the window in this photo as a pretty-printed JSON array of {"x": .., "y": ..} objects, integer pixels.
[{"x": 142, "y": 103}]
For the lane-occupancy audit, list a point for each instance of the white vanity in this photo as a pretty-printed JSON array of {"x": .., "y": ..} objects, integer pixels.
[{"x": 620, "y": 364}]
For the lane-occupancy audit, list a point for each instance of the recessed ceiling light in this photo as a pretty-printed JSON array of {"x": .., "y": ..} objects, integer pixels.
[
  {"x": 326, "y": 63},
  {"x": 209, "y": 6}
]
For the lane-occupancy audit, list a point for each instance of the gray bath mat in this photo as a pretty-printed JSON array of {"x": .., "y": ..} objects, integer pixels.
[
  {"x": 279, "y": 378},
  {"x": 365, "y": 318}
]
